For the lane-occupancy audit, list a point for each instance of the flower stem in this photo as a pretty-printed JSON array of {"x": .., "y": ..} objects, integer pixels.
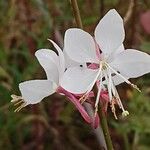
[
  {"x": 76, "y": 13},
  {"x": 105, "y": 129},
  {"x": 104, "y": 124}
]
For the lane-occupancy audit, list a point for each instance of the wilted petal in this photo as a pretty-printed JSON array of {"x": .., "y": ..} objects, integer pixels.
[
  {"x": 34, "y": 91},
  {"x": 80, "y": 46},
  {"x": 77, "y": 80},
  {"x": 109, "y": 33},
  {"x": 49, "y": 61},
  {"x": 132, "y": 63}
]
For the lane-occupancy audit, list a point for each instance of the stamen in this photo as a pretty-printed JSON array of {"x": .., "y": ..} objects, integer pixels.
[
  {"x": 113, "y": 109},
  {"x": 117, "y": 97},
  {"x": 19, "y": 102},
  {"x": 108, "y": 86},
  {"x": 99, "y": 90},
  {"x": 94, "y": 81},
  {"x": 136, "y": 87},
  {"x": 96, "y": 110},
  {"x": 83, "y": 98},
  {"x": 127, "y": 81},
  {"x": 20, "y": 107},
  {"x": 15, "y": 98}
]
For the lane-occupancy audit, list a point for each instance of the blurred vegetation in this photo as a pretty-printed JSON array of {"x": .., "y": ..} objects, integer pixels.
[{"x": 55, "y": 123}]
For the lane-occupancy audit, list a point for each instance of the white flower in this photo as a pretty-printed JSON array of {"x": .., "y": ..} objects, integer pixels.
[
  {"x": 116, "y": 65},
  {"x": 34, "y": 91}
]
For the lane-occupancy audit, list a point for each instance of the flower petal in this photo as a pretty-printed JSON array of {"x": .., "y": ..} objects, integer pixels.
[
  {"x": 80, "y": 46},
  {"x": 71, "y": 63},
  {"x": 49, "y": 61},
  {"x": 61, "y": 57},
  {"x": 113, "y": 55},
  {"x": 77, "y": 80},
  {"x": 34, "y": 91},
  {"x": 132, "y": 63},
  {"x": 109, "y": 33},
  {"x": 120, "y": 49},
  {"x": 117, "y": 80}
]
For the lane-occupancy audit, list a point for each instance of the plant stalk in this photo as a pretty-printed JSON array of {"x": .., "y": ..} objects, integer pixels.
[
  {"x": 76, "y": 13},
  {"x": 105, "y": 129},
  {"x": 103, "y": 121},
  {"x": 104, "y": 124}
]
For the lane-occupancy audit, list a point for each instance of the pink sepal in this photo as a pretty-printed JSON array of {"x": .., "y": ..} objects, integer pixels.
[{"x": 76, "y": 102}]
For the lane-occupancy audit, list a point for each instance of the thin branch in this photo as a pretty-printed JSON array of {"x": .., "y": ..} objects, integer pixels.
[
  {"x": 76, "y": 13},
  {"x": 101, "y": 7},
  {"x": 129, "y": 11},
  {"x": 104, "y": 124}
]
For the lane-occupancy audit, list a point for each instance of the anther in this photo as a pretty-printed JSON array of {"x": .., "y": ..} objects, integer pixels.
[
  {"x": 19, "y": 102},
  {"x": 20, "y": 107},
  {"x": 113, "y": 102},
  {"x": 83, "y": 98},
  {"x": 96, "y": 110},
  {"x": 136, "y": 87}
]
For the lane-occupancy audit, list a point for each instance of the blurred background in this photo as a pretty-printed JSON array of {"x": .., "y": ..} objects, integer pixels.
[{"x": 55, "y": 124}]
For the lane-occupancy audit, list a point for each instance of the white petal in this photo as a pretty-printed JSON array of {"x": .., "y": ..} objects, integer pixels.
[
  {"x": 77, "y": 80},
  {"x": 80, "y": 46},
  {"x": 49, "y": 61},
  {"x": 71, "y": 63},
  {"x": 113, "y": 55},
  {"x": 61, "y": 57},
  {"x": 117, "y": 80},
  {"x": 109, "y": 33},
  {"x": 34, "y": 91},
  {"x": 132, "y": 63},
  {"x": 120, "y": 49}
]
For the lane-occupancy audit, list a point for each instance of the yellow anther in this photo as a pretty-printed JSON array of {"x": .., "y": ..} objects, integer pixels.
[{"x": 19, "y": 102}]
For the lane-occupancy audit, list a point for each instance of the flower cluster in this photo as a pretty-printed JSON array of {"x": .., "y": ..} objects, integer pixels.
[{"x": 86, "y": 63}]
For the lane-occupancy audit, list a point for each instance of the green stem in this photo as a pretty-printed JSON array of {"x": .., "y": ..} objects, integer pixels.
[
  {"x": 104, "y": 124},
  {"x": 126, "y": 141},
  {"x": 105, "y": 129}
]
